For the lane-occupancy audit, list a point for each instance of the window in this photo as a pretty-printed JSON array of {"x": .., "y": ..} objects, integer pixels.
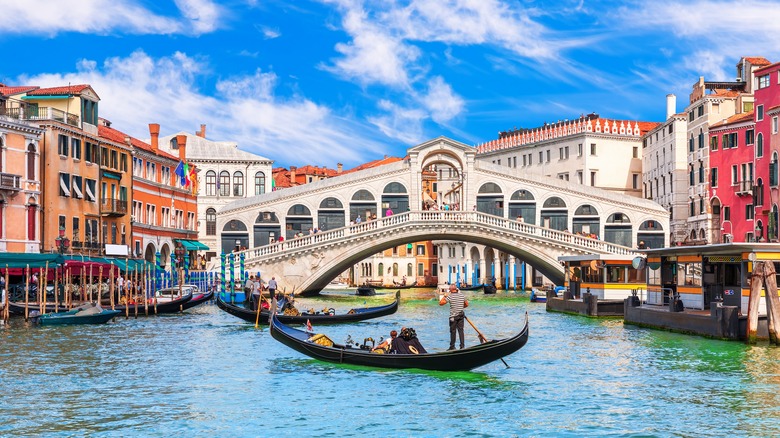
[
  {"x": 123, "y": 162},
  {"x": 90, "y": 190},
  {"x": 114, "y": 159},
  {"x": 88, "y": 152},
  {"x": 104, "y": 157},
  {"x": 774, "y": 125},
  {"x": 759, "y": 113},
  {"x": 259, "y": 183},
  {"x": 541, "y": 157},
  {"x": 76, "y": 230},
  {"x": 223, "y": 185},
  {"x": 560, "y": 151},
  {"x": 548, "y": 155},
  {"x": 691, "y": 176},
  {"x": 64, "y": 184},
  {"x": 420, "y": 249},
  {"x": 773, "y": 176},
  {"x": 700, "y": 111},
  {"x": 701, "y": 138},
  {"x": 730, "y": 140},
  {"x": 714, "y": 177},
  {"x": 566, "y": 153},
  {"x": 593, "y": 178},
  {"x": 701, "y": 205},
  {"x": 75, "y": 148},
  {"x": 635, "y": 153},
  {"x": 690, "y": 144},
  {"x": 749, "y": 136},
  {"x": 593, "y": 148},
  {"x": 31, "y": 162},
  {"x": 524, "y": 161},
  {"x": 62, "y": 145},
  {"x": 749, "y": 212},
  {"x": 635, "y": 181},
  {"x": 763, "y": 81},
  {"x": 701, "y": 172},
  {"x": 692, "y": 207},
  {"x": 211, "y": 183},
  {"x": 714, "y": 143},
  {"x": 190, "y": 221},
  {"x": 238, "y": 184},
  {"x": 579, "y": 150},
  {"x": 726, "y": 213},
  {"x": 420, "y": 270},
  {"x": 563, "y": 176},
  {"x": 760, "y": 145},
  {"x": 734, "y": 175},
  {"x": 76, "y": 186},
  {"x": 690, "y": 116},
  {"x": 579, "y": 177}
]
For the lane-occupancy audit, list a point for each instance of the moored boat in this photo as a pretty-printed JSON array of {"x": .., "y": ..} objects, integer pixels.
[
  {"x": 85, "y": 314},
  {"x": 330, "y": 317},
  {"x": 198, "y": 299},
  {"x": 320, "y": 347},
  {"x": 365, "y": 291},
  {"x": 489, "y": 288},
  {"x": 538, "y": 296}
]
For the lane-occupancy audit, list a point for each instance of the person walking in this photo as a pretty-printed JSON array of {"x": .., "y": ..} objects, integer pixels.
[
  {"x": 458, "y": 302},
  {"x": 272, "y": 287}
]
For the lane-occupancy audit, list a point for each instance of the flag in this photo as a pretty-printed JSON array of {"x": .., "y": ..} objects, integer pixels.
[
  {"x": 308, "y": 326},
  {"x": 185, "y": 178},
  {"x": 193, "y": 180},
  {"x": 180, "y": 171}
]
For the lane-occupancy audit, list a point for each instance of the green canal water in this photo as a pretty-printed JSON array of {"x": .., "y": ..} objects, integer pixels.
[{"x": 206, "y": 373}]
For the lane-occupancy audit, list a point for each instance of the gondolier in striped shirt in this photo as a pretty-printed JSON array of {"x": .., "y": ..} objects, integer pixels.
[{"x": 458, "y": 302}]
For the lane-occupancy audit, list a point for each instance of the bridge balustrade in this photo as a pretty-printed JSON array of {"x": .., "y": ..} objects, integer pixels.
[{"x": 401, "y": 219}]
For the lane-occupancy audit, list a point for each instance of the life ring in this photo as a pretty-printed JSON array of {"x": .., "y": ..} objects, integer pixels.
[{"x": 331, "y": 311}]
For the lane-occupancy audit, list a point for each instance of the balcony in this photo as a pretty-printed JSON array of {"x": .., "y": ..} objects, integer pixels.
[
  {"x": 113, "y": 207},
  {"x": 744, "y": 188},
  {"x": 45, "y": 113},
  {"x": 10, "y": 182}
]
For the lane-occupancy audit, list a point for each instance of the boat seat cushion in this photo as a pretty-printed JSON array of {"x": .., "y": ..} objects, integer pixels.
[{"x": 321, "y": 339}]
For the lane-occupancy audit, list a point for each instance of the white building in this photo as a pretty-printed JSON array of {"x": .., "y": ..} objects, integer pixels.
[
  {"x": 226, "y": 174},
  {"x": 665, "y": 175}
]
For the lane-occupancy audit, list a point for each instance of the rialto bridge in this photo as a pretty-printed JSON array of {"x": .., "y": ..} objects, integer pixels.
[{"x": 484, "y": 204}]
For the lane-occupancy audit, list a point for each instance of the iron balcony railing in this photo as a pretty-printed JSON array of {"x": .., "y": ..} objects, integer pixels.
[
  {"x": 9, "y": 181},
  {"x": 42, "y": 113},
  {"x": 113, "y": 206}
]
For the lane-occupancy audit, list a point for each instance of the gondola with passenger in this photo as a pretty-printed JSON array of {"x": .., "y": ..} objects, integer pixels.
[
  {"x": 290, "y": 315},
  {"x": 320, "y": 347}
]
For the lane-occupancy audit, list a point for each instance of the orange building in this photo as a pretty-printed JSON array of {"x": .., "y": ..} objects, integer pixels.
[
  {"x": 164, "y": 213},
  {"x": 20, "y": 186}
]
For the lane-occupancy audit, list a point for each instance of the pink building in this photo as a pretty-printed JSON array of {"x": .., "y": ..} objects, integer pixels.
[
  {"x": 767, "y": 104},
  {"x": 732, "y": 195}
]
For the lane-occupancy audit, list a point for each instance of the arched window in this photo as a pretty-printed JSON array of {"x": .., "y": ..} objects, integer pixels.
[
  {"x": 211, "y": 222},
  {"x": 259, "y": 183},
  {"x": 760, "y": 145},
  {"x": 409, "y": 270},
  {"x": 238, "y": 184},
  {"x": 31, "y": 162},
  {"x": 224, "y": 183},
  {"x": 490, "y": 188},
  {"x": 395, "y": 187},
  {"x": 211, "y": 183},
  {"x": 362, "y": 195},
  {"x": 299, "y": 210},
  {"x": 381, "y": 269},
  {"x": 554, "y": 202},
  {"x": 395, "y": 269}
]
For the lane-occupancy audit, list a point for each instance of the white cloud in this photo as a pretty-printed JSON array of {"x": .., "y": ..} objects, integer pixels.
[
  {"x": 138, "y": 90},
  {"x": 399, "y": 122},
  {"x": 440, "y": 100},
  {"x": 269, "y": 33},
  {"x": 50, "y": 17}
]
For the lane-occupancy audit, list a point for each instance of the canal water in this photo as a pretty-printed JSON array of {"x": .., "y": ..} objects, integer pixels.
[{"x": 206, "y": 373}]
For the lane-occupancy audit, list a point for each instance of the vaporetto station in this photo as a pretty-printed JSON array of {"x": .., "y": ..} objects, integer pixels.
[{"x": 485, "y": 202}]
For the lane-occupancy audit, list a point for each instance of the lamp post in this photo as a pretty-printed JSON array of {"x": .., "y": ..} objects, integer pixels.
[{"x": 62, "y": 242}]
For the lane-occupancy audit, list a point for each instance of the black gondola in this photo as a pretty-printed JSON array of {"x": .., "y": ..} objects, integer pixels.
[
  {"x": 451, "y": 360},
  {"x": 365, "y": 291},
  {"x": 198, "y": 299},
  {"x": 489, "y": 288},
  {"x": 173, "y": 306},
  {"x": 477, "y": 287},
  {"x": 353, "y": 315}
]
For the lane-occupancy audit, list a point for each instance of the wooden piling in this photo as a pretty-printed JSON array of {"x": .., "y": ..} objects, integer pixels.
[
  {"x": 56, "y": 290},
  {"x": 42, "y": 283},
  {"x": 135, "y": 291},
  {"x": 27, "y": 293},
  {"x": 100, "y": 285},
  {"x": 146, "y": 290},
  {"x": 772, "y": 305},
  {"x": 111, "y": 286}
]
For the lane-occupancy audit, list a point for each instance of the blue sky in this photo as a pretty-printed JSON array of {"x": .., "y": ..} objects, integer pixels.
[{"x": 321, "y": 82}]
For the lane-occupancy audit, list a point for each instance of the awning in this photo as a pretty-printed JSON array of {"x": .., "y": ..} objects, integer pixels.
[
  {"x": 192, "y": 245},
  {"x": 111, "y": 175}
]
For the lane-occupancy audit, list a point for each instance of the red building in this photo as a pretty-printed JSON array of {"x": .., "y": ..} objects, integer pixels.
[
  {"x": 731, "y": 177},
  {"x": 767, "y": 104}
]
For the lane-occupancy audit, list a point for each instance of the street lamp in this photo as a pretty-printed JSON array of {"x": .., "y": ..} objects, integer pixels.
[
  {"x": 238, "y": 245},
  {"x": 62, "y": 242}
]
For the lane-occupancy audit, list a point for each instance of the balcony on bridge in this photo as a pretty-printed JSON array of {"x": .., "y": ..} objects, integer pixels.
[{"x": 113, "y": 207}]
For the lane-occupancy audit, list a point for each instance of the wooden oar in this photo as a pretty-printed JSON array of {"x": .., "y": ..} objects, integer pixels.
[
  {"x": 482, "y": 338},
  {"x": 259, "y": 306}
]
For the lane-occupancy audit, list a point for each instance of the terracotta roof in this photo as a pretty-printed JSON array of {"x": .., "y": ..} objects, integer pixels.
[
  {"x": 119, "y": 137},
  {"x": 736, "y": 118},
  {"x": 67, "y": 89},
  {"x": 767, "y": 67},
  {"x": 316, "y": 170},
  {"x": 281, "y": 178},
  {"x": 375, "y": 163},
  {"x": 10, "y": 91},
  {"x": 757, "y": 61},
  {"x": 725, "y": 93}
]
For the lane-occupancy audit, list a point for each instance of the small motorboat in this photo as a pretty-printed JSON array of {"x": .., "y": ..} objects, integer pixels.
[
  {"x": 89, "y": 313},
  {"x": 365, "y": 291},
  {"x": 538, "y": 296}
]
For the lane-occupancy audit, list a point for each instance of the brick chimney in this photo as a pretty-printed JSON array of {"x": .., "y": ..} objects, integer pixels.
[
  {"x": 154, "y": 131},
  {"x": 202, "y": 132},
  {"x": 181, "y": 142},
  {"x": 292, "y": 175},
  {"x": 339, "y": 167}
]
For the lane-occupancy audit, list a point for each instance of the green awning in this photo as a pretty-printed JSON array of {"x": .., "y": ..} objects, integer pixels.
[
  {"x": 111, "y": 175},
  {"x": 192, "y": 245},
  {"x": 33, "y": 260}
]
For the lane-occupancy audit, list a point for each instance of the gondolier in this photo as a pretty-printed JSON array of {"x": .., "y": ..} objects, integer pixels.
[
  {"x": 458, "y": 302},
  {"x": 272, "y": 287}
]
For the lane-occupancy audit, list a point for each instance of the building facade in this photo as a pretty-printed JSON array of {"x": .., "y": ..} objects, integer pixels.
[
  {"x": 20, "y": 184},
  {"x": 664, "y": 169},
  {"x": 767, "y": 111},
  {"x": 226, "y": 174}
]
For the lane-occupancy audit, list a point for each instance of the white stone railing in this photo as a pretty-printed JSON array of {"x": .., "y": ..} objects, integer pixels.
[{"x": 437, "y": 218}]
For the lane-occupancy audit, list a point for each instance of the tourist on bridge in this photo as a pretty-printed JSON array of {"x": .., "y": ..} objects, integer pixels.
[
  {"x": 458, "y": 302},
  {"x": 389, "y": 212},
  {"x": 357, "y": 219}
]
